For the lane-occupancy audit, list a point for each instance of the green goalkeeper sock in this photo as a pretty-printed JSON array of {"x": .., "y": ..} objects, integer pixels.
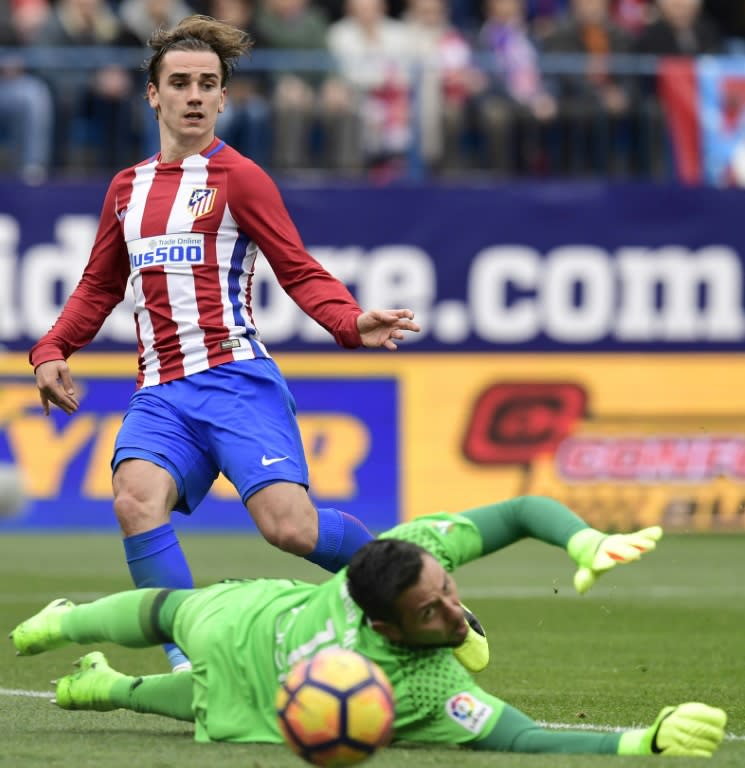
[
  {"x": 168, "y": 695},
  {"x": 128, "y": 618}
]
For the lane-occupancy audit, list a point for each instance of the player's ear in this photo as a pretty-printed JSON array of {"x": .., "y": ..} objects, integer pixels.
[
  {"x": 152, "y": 96},
  {"x": 389, "y": 630}
]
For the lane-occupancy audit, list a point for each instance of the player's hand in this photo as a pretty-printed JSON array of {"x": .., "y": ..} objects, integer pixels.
[
  {"x": 384, "y": 327},
  {"x": 595, "y": 552},
  {"x": 55, "y": 384},
  {"x": 692, "y": 729}
]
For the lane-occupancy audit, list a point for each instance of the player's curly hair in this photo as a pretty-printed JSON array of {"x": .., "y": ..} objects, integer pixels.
[
  {"x": 379, "y": 572},
  {"x": 199, "y": 33}
]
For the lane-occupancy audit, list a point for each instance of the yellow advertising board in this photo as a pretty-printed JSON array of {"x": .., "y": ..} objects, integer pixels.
[{"x": 625, "y": 440}]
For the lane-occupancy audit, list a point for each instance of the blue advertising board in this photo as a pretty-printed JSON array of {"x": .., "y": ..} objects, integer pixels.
[
  {"x": 350, "y": 431},
  {"x": 521, "y": 268}
]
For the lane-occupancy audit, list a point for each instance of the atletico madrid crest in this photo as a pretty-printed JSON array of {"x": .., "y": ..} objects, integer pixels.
[{"x": 201, "y": 201}]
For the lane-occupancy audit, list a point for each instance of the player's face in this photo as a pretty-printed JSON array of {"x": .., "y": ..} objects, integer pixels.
[
  {"x": 430, "y": 613},
  {"x": 189, "y": 96}
]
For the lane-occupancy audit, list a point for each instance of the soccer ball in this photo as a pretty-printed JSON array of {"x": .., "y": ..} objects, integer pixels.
[{"x": 336, "y": 708}]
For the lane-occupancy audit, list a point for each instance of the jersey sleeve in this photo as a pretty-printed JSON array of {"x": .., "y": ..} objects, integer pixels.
[
  {"x": 257, "y": 206},
  {"x": 451, "y": 538},
  {"x": 101, "y": 287},
  {"x": 439, "y": 702}
]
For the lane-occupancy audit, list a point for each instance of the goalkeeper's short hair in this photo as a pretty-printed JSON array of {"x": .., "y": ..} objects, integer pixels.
[{"x": 379, "y": 572}]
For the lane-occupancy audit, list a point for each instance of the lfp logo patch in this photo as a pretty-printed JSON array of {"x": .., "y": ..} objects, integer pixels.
[
  {"x": 468, "y": 711},
  {"x": 201, "y": 201}
]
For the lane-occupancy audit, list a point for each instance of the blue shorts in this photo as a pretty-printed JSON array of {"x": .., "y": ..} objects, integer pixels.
[{"x": 238, "y": 419}]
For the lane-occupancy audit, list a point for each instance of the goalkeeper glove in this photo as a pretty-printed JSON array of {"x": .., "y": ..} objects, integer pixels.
[
  {"x": 691, "y": 729},
  {"x": 596, "y": 552}
]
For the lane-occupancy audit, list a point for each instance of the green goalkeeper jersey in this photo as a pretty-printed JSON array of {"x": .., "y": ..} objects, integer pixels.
[{"x": 243, "y": 637}]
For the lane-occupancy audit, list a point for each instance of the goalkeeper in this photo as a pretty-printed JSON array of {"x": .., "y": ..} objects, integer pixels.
[{"x": 396, "y": 603}]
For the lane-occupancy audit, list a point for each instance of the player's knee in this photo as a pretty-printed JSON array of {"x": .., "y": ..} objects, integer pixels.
[
  {"x": 296, "y": 540},
  {"x": 291, "y": 533},
  {"x": 135, "y": 515}
]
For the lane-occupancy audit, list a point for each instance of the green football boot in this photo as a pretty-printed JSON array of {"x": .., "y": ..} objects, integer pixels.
[
  {"x": 90, "y": 688},
  {"x": 43, "y": 631}
]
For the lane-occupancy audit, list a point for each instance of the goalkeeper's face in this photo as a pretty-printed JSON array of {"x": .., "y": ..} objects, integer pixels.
[{"x": 429, "y": 612}]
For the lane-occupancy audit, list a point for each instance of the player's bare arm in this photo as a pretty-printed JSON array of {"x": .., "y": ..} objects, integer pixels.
[
  {"x": 56, "y": 386},
  {"x": 384, "y": 327}
]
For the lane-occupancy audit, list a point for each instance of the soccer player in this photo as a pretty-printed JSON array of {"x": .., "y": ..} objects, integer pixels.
[
  {"x": 184, "y": 228},
  {"x": 397, "y": 603}
]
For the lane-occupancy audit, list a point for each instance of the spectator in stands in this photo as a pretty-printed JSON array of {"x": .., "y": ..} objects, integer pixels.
[
  {"x": 143, "y": 17},
  {"x": 246, "y": 122},
  {"x": 595, "y": 102},
  {"x": 96, "y": 107},
  {"x": 729, "y": 17},
  {"x": 26, "y": 105},
  {"x": 680, "y": 30},
  {"x": 308, "y": 96},
  {"x": 370, "y": 48},
  {"x": 632, "y": 15},
  {"x": 336, "y": 9},
  {"x": 517, "y": 113},
  {"x": 466, "y": 15},
  {"x": 544, "y": 16},
  {"x": 446, "y": 79}
]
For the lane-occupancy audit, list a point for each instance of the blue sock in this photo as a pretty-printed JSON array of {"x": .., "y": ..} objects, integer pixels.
[
  {"x": 340, "y": 535},
  {"x": 155, "y": 559}
]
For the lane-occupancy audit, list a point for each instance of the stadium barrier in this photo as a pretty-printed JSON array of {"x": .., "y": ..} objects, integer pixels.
[{"x": 683, "y": 120}]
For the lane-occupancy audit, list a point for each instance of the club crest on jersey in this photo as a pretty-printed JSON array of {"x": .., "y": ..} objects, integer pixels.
[{"x": 201, "y": 201}]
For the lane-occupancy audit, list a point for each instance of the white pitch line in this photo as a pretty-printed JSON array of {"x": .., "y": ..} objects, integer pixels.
[
  {"x": 582, "y": 727},
  {"x": 542, "y": 723},
  {"x": 26, "y": 694},
  {"x": 604, "y": 592}
]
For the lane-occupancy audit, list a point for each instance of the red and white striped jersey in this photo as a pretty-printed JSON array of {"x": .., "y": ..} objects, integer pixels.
[{"x": 186, "y": 236}]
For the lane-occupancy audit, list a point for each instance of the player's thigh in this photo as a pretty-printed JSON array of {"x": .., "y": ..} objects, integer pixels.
[
  {"x": 156, "y": 430},
  {"x": 253, "y": 430}
]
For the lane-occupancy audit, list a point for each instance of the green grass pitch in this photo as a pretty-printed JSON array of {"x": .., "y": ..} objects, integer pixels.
[{"x": 666, "y": 630}]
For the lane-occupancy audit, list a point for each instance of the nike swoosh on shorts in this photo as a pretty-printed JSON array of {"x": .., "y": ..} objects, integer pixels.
[{"x": 268, "y": 462}]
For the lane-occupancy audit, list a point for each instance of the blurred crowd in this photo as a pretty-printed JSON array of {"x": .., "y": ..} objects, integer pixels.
[{"x": 438, "y": 87}]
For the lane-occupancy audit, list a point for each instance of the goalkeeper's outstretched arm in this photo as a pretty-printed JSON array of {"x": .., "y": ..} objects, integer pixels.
[
  {"x": 548, "y": 520},
  {"x": 692, "y": 729}
]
